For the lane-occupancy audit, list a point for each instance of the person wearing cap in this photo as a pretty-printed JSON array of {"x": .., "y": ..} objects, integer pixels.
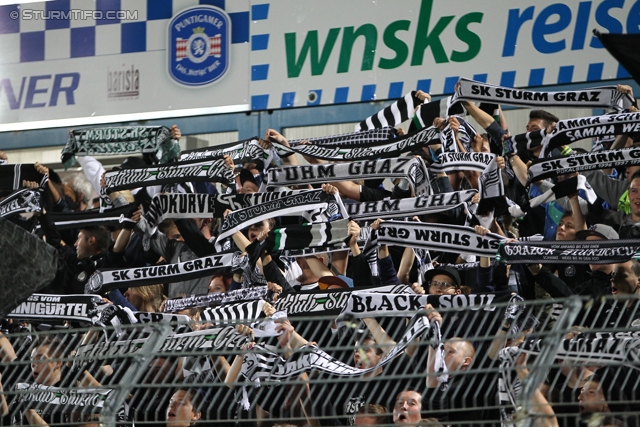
[
  {"x": 442, "y": 281},
  {"x": 599, "y": 283}
]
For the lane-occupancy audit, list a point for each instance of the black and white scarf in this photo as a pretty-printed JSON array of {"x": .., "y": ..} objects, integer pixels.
[
  {"x": 566, "y": 188},
  {"x": 238, "y": 151},
  {"x": 569, "y": 252},
  {"x": 234, "y": 313},
  {"x": 396, "y": 113},
  {"x": 391, "y": 149},
  {"x": 326, "y": 302},
  {"x": 12, "y": 176},
  {"x": 171, "y": 173},
  {"x": 490, "y": 179},
  {"x": 203, "y": 341},
  {"x": 593, "y": 349},
  {"x": 196, "y": 205},
  {"x": 352, "y": 139},
  {"x": 85, "y": 400},
  {"x": 399, "y": 208},
  {"x": 568, "y": 131},
  {"x": 262, "y": 364},
  {"x": 444, "y": 107},
  {"x": 239, "y": 295},
  {"x": 362, "y": 304},
  {"x": 597, "y": 97},
  {"x": 551, "y": 167},
  {"x": 413, "y": 169},
  {"x": 315, "y": 206},
  {"x": 21, "y": 201},
  {"x": 119, "y": 141},
  {"x": 301, "y": 237},
  {"x": 108, "y": 279},
  {"x": 462, "y": 266},
  {"x": 115, "y": 217},
  {"x": 80, "y": 308},
  {"x": 439, "y": 237}
]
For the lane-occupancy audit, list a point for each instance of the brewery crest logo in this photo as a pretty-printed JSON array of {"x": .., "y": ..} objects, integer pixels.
[{"x": 198, "y": 50}]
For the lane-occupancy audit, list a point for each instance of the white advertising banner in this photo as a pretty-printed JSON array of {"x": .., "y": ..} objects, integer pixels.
[
  {"x": 335, "y": 51},
  {"x": 101, "y": 61},
  {"x": 83, "y": 62}
]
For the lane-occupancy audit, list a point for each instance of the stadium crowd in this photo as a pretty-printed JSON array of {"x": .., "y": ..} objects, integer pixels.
[{"x": 457, "y": 354}]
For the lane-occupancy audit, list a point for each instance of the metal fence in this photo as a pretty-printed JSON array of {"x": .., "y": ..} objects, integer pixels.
[{"x": 477, "y": 360}]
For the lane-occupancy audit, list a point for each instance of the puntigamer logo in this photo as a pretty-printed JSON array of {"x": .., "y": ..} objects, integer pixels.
[{"x": 198, "y": 51}]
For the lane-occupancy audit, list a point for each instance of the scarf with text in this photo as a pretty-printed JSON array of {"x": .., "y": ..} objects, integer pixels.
[
  {"x": 21, "y": 201},
  {"x": 439, "y": 237},
  {"x": 80, "y": 308},
  {"x": 238, "y": 151},
  {"x": 171, "y": 173},
  {"x": 197, "y": 205},
  {"x": 206, "y": 300},
  {"x": 203, "y": 341},
  {"x": 329, "y": 301},
  {"x": 262, "y": 364},
  {"x": 597, "y": 97},
  {"x": 462, "y": 266},
  {"x": 115, "y": 217},
  {"x": 568, "y": 131},
  {"x": 352, "y": 139},
  {"x": 363, "y": 304},
  {"x": 395, "y": 148},
  {"x": 392, "y": 115},
  {"x": 569, "y": 252},
  {"x": 314, "y": 206},
  {"x": 413, "y": 169},
  {"x": 119, "y": 141},
  {"x": 234, "y": 313},
  {"x": 11, "y": 176},
  {"x": 119, "y": 316},
  {"x": 398, "y": 208},
  {"x": 552, "y": 167},
  {"x": 107, "y": 279},
  {"x": 85, "y": 400},
  {"x": 564, "y": 189},
  {"x": 490, "y": 179},
  {"x": 592, "y": 349}
]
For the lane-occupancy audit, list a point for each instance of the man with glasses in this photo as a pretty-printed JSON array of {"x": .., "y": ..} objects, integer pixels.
[{"x": 442, "y": 281}]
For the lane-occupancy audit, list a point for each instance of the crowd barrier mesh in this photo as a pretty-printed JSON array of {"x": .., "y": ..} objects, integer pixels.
[{"x": 572, "y": 362}]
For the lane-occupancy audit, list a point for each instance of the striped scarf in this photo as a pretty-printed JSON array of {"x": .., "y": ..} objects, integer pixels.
[
  {"x": 11, "y": 176},
  {"x": 490, "y": 179},
  {"x": 315, "y": 206},
  {"x": 353, "y": 139},
  {"x": 393, "y": 115},
  {"x": 399, "y": 146}
]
